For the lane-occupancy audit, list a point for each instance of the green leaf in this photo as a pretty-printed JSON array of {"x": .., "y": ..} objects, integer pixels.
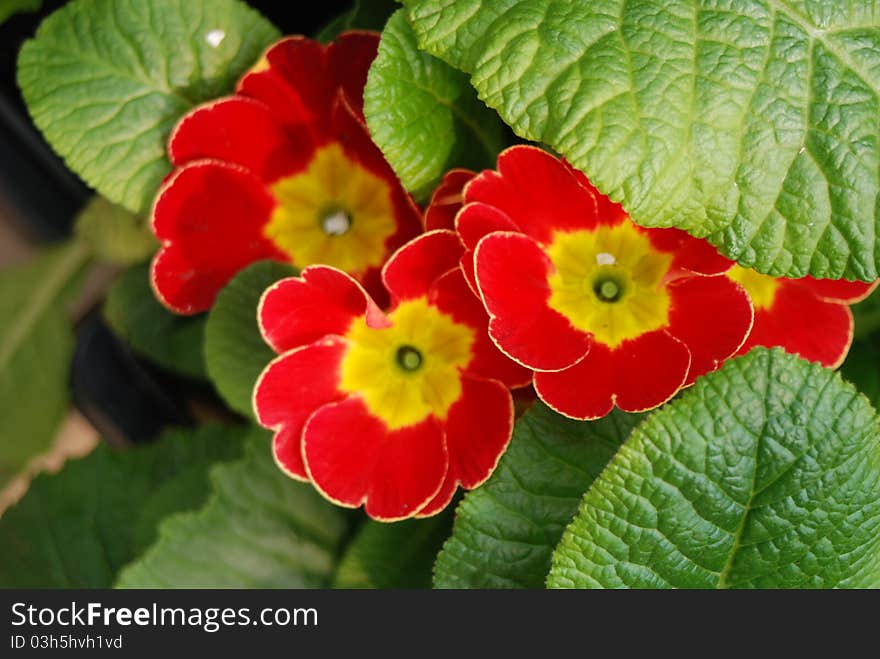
[
  {"x": 260, "y": 529},
  {"x": 10, "y": 7},
  {"x": 862, "y": 368},
  {"x": 106, "y": 80},
  {"x": 752, "y": 123},
  {"x": 765, "y": 474},
  {"x": 113, "y": 234},
  {"x": 424, "y": 114},
  {"x": 398, "y": 555},
  {"x": 235, "y": 352},
  {"x": 506, "y": 530},
  {"x": 866, "y": 315},
  {"x": 171, "y": 341},
  {"x": 77, "y": 528},
  {"x": 364, "y": 15},
  {"x": 36, "y": 347}
]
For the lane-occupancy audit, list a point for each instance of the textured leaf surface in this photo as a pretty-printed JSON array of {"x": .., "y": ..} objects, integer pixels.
[
  {"x": 235, "y": 352},
  {"x": 424, "y": 115},
  {"x": 399, "y": 555},
  {"x": 36, "y": 346},
  {"x": 173, "y": 342},
  {"x": 765, "y": 474},
  {"x": 106, "y": 80},
  {"x": 506, "y": 530},
  {"x": 113, "y": 234},
  {"x": 751, "y": 122},
  {"x": 260, "y": 529},
  {"x": 77, "y": 528}
]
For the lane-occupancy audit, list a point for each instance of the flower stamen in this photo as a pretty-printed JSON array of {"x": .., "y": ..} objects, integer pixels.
[
  {"x": 409, "y": 358},
  {"x": 336, "y": 222},
  {"x": 607, "y": 290}
]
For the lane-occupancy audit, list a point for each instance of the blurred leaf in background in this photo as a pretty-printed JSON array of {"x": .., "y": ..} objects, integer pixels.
[
  {"x": 113, "y": 234},
  {"x": 36, "y": 348},
  {"x": 363, "y": 15},
  {"x": 171, "y": 341},
  {"x": 397, "y": 555},
  {"x": 259, "y": 529},
  {"x": 77, "y": 528},
  {"x": 10, "y": 7}
]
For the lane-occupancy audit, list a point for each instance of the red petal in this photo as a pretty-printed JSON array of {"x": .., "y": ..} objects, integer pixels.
[
  {"x": 241, "y": 131},
  {"x": 352, "y": 458},
  {"x": 210, "y": 217},
  {"x": 447, "y": 200},
  {"x": 639, "y": 375},
  {"x": 441, "y": 499},
  {"x": 838, "y": 290},
  {"x": 478, "y": 431},
  {"x": 348, "y": 62},
  {"x": 693, "y": 255},
  {"x": 537, "y": 192},
  {"x": 712, "y": 316},
  {"x": 290, "y": 389},
  {"x": 413, "y": 269},
  {"x": 608, "y": 212},
  {"x": 476, "y": 221},
  {"x": 803, "y": 325},
  {"x": 303, "y": 78},
  {"x": 512, "y": 276},
  {"x": 293, "y": 82},
  {"x": 452, "y": 295},
  {"x": 322, "y": 301}
]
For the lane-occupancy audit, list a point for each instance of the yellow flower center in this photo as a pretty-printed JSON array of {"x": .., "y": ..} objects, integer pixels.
[
  {"x": 335, "y": 212},
  {"x": 410, "y": 370},
  {"x": 609, "y": 282},
  {"x": 761, "y": 288}
]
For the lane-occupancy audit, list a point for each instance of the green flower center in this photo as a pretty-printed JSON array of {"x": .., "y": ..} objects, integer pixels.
[
  {"x": 608, "y": 289},
  {"x": 409, "y": 358}
]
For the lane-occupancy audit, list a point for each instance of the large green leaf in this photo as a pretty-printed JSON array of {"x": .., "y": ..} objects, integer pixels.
[
  {"x": 235, "y": 352},
  {"x": 506, "y": 530},
  {"x": 36, "y": 346},
  {"x": 753, "y": 122},
  {"x": 765, "y": 474},
  {"x": 106, "y": 80},
  {"x": 173, "y": 342},
  {"x": 75, "y": 529},
  {"x": 424, "y": 114},
  {"x": 260, "y": 529},
  {"x": 398, "y": 555},
  {"x": 363, "y": 15},
  {"x": 113, "y": 234}
]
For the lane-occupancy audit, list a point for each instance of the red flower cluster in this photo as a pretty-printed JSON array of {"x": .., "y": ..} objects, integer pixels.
[
  {"x": 392, "y": 384},
  {"x": 391, "y": 410},
  {"x": 605, "y": 312},
  {"x": 285, "y": 169}
]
